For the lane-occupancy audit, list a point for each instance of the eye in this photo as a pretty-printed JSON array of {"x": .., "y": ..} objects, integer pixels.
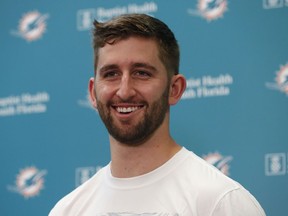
[
  {"x": 142, "y": 74},
  {"x": 110, "y": 74}
]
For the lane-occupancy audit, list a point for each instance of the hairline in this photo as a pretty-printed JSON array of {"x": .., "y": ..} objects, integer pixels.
[{"x": 115, "y": 40}]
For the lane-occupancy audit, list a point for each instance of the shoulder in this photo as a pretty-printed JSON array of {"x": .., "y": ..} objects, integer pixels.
[
  {"x": 237, "y": 202},
  {"x": 217, "y": 192},
  {"x": 70, "y": 202},
  {"x": 206, "y": 174}
]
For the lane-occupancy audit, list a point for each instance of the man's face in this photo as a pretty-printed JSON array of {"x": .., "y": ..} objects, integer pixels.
[{"x": 131, "y": 89}]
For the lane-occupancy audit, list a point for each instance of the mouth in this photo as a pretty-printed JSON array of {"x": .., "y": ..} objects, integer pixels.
[{"x": 127, "y": 109}]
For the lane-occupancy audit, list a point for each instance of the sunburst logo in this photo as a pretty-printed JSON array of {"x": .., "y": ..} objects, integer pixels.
[
  {"x": 209, "y": 9},
  {"x": 29, "y": 182},
  {"x": 32, "y": 26},
  {"x": 219, "y": 161},
  {"x": 212, "y": 9},
  {"x": 281, "y": 80}
]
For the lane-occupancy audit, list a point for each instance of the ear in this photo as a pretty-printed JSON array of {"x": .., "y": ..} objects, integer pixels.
[
  {"x": 177, "y": 87},
  {"x": 92, "y": 93}
]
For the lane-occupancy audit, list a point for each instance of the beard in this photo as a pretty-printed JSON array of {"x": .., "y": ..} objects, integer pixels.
[{"x": 135, "y": 135}]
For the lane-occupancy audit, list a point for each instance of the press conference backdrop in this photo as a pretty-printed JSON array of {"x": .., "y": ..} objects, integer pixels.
[{"x": 234, "y": 112}]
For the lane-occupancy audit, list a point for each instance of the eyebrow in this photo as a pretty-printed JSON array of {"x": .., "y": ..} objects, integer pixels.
[
  {"x": 134, "y": 65},
  {"x": 144, "y": 65},
  {"x": 108, "y": 67}
]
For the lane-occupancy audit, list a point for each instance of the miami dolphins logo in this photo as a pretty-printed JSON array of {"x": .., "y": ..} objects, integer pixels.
[
  {"x": 29, "y": 182},
  {"x": 212, "y": 9},
  {"x": 209, "y": 9},
  {"x": 282, "y": 79},
  {"x": 219, "y": 161},
  {"x": 32, "y": 26}
]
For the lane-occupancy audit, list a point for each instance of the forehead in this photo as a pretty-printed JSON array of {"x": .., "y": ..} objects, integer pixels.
[{"x": 132, "y": 49}]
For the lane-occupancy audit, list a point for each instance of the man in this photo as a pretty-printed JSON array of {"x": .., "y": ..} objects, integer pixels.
[{"x": 136, "y": 81}]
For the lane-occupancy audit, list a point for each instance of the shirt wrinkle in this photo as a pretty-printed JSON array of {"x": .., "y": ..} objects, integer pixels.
[{"x": 221, "y": 197}]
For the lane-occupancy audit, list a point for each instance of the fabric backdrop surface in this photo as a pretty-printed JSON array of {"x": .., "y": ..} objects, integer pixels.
[{"x": 234, "y": 112}]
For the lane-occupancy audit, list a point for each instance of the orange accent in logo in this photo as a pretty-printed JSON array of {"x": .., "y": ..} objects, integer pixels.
[{"x": 212, "y": 9}]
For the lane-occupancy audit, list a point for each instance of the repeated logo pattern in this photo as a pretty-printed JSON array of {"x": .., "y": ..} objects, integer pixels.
[
  {"x": 29, "y": 182},
  {"x": 32, "y": 26}
]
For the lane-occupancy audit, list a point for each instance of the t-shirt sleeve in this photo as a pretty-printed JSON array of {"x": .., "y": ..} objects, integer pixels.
[{"x": 238, "y": 202}]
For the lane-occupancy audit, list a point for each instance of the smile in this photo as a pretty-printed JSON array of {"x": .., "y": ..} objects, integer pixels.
[{"x": 125, "y": 110}]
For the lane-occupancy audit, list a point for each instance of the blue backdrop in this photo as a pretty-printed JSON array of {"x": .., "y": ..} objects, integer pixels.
[{"x": 234, "y": 112}]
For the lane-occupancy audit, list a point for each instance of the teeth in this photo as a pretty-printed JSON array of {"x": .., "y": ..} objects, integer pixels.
[{"x": 126, "y": 109}]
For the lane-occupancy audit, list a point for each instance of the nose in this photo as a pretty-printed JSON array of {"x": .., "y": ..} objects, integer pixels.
[{"x": 126, "y": 89}]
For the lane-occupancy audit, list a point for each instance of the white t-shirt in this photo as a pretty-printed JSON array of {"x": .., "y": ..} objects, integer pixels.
[{"x": 186, "y": 185}]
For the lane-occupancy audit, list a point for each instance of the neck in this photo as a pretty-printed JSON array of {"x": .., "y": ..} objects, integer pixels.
[{"x": 130, "y": 161}]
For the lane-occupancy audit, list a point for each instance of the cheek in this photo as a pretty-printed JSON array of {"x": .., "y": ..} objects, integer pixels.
[
  {"x": 103, "y": 92},
  {"x": 154, "y": 92}
]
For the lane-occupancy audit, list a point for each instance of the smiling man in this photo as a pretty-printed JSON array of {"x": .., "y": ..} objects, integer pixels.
[
  {"x": 123, "y": 90},
  {"x": 136, "y": 81}
]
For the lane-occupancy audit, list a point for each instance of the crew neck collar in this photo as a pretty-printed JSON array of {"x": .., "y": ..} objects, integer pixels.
[{"x": 148, "y": 178}]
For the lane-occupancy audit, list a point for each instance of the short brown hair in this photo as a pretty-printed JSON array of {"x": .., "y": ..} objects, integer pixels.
[{"x": 142, "y": 25}]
